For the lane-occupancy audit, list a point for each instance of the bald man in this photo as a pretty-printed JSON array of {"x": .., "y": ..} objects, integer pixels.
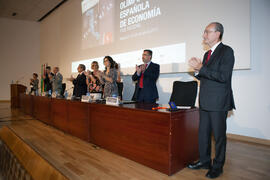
[{"x": 215, "y": 99}]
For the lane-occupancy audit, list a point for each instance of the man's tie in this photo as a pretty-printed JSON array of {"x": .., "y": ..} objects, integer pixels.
[
  {"x": 208, "y": 56},
  {"x": 141, "y": 79}
]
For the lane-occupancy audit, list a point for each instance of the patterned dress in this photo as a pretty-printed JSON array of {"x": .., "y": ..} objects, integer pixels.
[
  {"x": 94, "y": 86},
  {"x": 110, "y": 88}
]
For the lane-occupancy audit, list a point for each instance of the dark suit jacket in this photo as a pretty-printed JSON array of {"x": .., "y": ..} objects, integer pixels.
[
  {"x": 47, "y": 82},
  {"x": 215, "y": 80},
  {"x": 149, "y": 89},
  {"x": 80, "y": 86}
]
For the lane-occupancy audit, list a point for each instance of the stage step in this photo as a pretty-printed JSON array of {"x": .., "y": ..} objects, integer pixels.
[{"x": 19, "y": 161}]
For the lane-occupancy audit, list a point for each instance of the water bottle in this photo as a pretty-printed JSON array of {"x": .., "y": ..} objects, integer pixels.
[
  {"x": 66, "y": 94},
  {"x": 50, "y": 92}
]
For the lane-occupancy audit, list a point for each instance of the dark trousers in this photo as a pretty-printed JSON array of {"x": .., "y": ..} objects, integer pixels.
[
  {"x": 143, "y": 98},
  {"x": 213, "y": 121}
]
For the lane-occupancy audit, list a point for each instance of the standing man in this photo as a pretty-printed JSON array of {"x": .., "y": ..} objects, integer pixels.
[
  {"x": 215, "y": 99},
  {"x": 146, "y": 75},
  {"x": 34, "y": 84},
  {"x": 80, "y": 86},
  {"x": 46, "y": 77},
  {"x": 56, "y": 81}
]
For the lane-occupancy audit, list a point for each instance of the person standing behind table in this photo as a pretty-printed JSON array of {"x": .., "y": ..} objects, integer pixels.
[
  {"x": 34, "y": 83},
  {"x": 109, "y": 77},
  {"x": 120, "y": 85},
  {"x": 80, "y": 86},
  {"x": 47, "y": 82},
  {"x": 146, "y": 74},
  {"x": 215, "y": 99},
  {"x": 117, "y": 68},
  {"x": 56, "y": 80},
  {"x": 93, "y": 79}
]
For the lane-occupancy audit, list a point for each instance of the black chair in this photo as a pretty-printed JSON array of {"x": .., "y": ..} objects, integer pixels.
[
  {"x": 63, "y": 89},
  {"x": 120, "y": 86},
  {"x": 184, "y": 93},
  {"x": 134, "y": 98}
]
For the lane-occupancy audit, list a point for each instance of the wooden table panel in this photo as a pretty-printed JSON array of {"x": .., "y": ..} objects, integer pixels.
[
  {"x": 44, "y": 110},
  {"x": 26, "y": 104},
  {"x": 184, "y": 141},
  {"x": 59, "y": 114},
  {"x": 165, "y": 141},
  {"x": 36, "y": 106},
  {"x": 142, "y": 136},
  {"x": 29, "y": 105},
  {"x": 78, "y": 119}
]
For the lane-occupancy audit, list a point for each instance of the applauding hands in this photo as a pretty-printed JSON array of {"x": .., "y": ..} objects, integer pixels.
[
  {"x": 195, "y": 63},
  {"x": 141, "y": 68}
]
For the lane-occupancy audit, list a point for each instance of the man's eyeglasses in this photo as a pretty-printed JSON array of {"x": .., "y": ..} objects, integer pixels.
[{"x": 208, "y": 32}]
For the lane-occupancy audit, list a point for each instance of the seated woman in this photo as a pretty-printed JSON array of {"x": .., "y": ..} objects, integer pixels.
[
  {"x": 93, "y": 79},
  {"x": 109, "y": 77}
]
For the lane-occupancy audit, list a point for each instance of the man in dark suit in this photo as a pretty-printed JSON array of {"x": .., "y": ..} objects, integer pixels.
[
  {"x": 146, "y": 75},
  {"x": 80, "y": 86},
  {"x": 46, "y": 77},
  {"x": 215, "y": 99}
]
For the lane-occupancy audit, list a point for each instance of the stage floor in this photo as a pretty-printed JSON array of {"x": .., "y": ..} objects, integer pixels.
[{"x": 77, "y": 159}]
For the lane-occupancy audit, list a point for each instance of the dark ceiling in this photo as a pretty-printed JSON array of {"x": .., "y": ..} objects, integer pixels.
[{"x": 31, "y": 10}]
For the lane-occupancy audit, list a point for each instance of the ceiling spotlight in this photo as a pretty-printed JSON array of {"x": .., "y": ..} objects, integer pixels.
[{"x": 14, "y": 14}]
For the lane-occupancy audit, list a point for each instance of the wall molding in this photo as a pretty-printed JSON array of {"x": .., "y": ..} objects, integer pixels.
[
  {"x": 4, "y": 101},
  {"x": 248, "y": 139}
]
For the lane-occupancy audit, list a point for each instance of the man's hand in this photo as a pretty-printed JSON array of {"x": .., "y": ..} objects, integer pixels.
[
  {"x": 143, "y": 67},
  {"x": 195, "y": 63},
  {"x": 138, "y": 69},
  {"x": 50, "y": 76},
  {"x": 71, "y": 78}
]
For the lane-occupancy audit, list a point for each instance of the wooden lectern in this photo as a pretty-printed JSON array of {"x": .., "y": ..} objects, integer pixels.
[{"x": 15, "y": 91}]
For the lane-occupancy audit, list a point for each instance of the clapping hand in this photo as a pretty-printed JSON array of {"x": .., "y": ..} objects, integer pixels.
[
  {"x": 71, "y": 78},
  {"x": 99, "y": 74},
  {"x": 138, "y": 69},
  {"x": 86, "y": 73},
  {"x": 50, "y": 76},
  {"x": 143, "y": 67},
  {"x": 195, "y": 63}
]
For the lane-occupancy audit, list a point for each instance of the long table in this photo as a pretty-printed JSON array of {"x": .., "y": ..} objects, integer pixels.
[{"x": 163, "y": 140}]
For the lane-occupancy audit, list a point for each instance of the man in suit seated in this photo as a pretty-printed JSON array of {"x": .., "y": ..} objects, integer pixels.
[
  {"x": 146, "y": 74},
  {"x": 215, "y": 99},
  {"x": 56, "y": 81},
  {"x": 80, "y": 86}
]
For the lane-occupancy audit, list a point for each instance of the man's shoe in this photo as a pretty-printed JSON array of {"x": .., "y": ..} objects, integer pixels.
[
  {"x": 199, "y": 165},
  {"x": 214, "y": 173}
]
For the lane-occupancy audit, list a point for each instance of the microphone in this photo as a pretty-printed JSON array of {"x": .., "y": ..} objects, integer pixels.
[
  {"x": 21, "y": 80},
  {"x": 18, "y": 80}
]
